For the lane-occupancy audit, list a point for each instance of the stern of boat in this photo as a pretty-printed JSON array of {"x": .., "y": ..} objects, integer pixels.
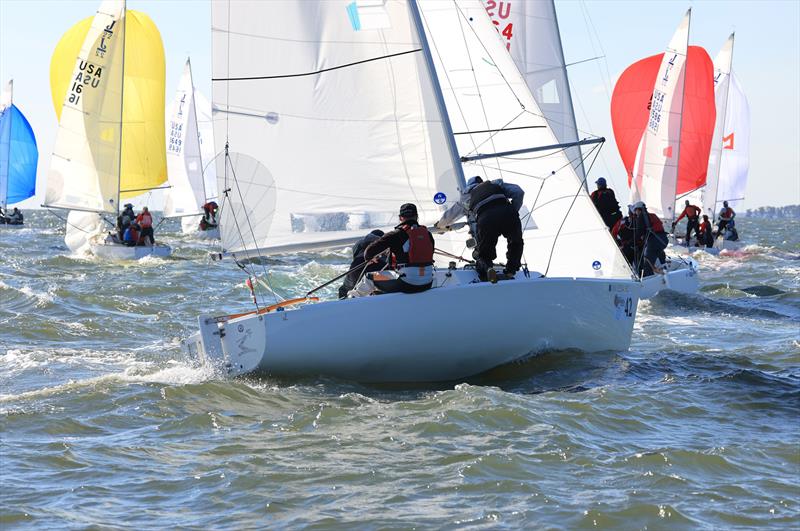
[{"x": 233, "y": 348}]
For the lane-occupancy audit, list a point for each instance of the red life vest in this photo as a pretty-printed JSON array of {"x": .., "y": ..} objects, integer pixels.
[
  {"x": 145, "y": 220},
  {"x": 727, "y": 213},
  {"x": 420, "y": 246}
]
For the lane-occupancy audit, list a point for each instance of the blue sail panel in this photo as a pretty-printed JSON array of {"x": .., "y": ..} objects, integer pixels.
[
  {"x": 23, "y": 157},
  {"x": 5, "y": 140}
]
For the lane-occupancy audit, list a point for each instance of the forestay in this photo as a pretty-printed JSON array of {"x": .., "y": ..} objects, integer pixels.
[
  {"x": 187, "y": 193},
  {"x": 330, "y": 117},
  {"x": 492, "y": 110},
  {"x": 729, "y": 162},
  {"x": 530, "y": 31},
  {"x": 18, "y": 152}
]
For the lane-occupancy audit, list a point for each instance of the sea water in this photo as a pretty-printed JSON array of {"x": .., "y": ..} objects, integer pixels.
[{"x": 105, "y": 422}]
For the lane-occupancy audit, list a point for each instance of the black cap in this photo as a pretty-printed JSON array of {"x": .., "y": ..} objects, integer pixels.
[
  {"x": 408, "y": 210},
  {"x": 377, "y": 232}
]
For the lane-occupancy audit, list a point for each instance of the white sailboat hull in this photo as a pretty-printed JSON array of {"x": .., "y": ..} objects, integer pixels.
[
  {"x": 447, "y": 333},
  {"x": 116, "y": 251},
  {"x": 728, "y": 245},
  {"x": 680, "y": 274}
]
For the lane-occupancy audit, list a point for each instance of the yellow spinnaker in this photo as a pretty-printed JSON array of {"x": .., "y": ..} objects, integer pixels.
[{"x": 144, "y": 159}]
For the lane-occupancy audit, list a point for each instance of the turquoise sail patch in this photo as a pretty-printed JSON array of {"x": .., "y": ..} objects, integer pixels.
[{"x": 352, "y": 14}]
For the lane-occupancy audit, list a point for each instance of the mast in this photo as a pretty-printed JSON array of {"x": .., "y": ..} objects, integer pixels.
[
  {"x": 197, "y": 131},
  {"x": 122, "y": 100},
  {"x": 437, "y": 89},
  {"x": 4, "y": 202},
  {"x": 680, "y": 121},
  {"x": 722, "y": 135}
]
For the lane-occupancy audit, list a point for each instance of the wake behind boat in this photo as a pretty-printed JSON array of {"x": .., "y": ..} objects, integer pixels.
[{"x": 409, "y": 138}]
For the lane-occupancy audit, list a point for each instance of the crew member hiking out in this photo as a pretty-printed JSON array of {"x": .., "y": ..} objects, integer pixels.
[
  {"x": 649, "y": 237},
  {"x": 605, "y": 201},
  {"x": 692, "y": 215},
  {"x": 411, "y": 246},
  {"x": 358, "y": 259},
  {"x": 494, "y": 207},
  {"x": 622, "y": 232},
  {"x": 726, "y": 215}
]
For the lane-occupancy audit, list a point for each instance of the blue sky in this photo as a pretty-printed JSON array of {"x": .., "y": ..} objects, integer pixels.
[{"x": 766, "y": 60}]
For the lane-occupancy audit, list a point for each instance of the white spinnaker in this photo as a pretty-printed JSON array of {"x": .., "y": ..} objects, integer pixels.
[
  {"x": 6, "y": 99},
  {"x": 735, "y": 159},
  {"x": 655, "y": 170},
  {"x": 722, "y": 72},
  {"x": 186, "y": 194},
  {"x": 484, "y": 90},
  {"x": 334, "y": 127},
  {"x": 530, "y": 30},
  {"x": 87, "y": 148}
]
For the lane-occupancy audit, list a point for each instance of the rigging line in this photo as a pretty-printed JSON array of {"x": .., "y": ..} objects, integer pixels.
[
  {"x": 66, "y": 221},
  {"x": 451, "y": 86},
  {"x": 478, "y": 90},
  {"x": 252, "y": 232},
  {"x": 606, "y": 79},
  {"x": 500, "y": 130},
  {"x": 581, "y": 188},
  {"x": 315, "y": 72},
  {"x": 490, "y": 56},
  {"x": 503, "y": 128}
]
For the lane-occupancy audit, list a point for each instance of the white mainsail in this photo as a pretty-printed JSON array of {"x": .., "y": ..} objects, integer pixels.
[
  {"x": 187, "y": 192},
  {"x": 87, "y": 149},
  {"x": 492, "y": 110},
  {"x": 729, "y": 160},
  {"x": 308, "y": 171},
  {"x": 530, "y": 31},
  {"x": 655, "y": 176}
]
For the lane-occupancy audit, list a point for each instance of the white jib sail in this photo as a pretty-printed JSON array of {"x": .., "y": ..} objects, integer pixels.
[
  {"x": 530, "y": 31},
  {"x": 85, "y": 165},
  {"x": 492, "y": 110},
  {"x": 205, "y": 126},
  {"x": 330, "y": 117},
  {"x": 6, "y": 99},
  {"x": 187, "y": 193},
  {"x": 655, "y": 178}
]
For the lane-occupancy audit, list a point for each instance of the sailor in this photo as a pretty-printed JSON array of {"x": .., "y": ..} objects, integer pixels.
[
  {"x": 692, "y": 215},
  {"x": 726, "y": 215},
  {"x": 125, "y": 218},
  {"x": 15, "y": 218},
  {"x": 358, "y": 259},
  {"x": 706, "y": 234},
  {"x": 649, "y": 237},
  {"x": 622, "y": 232},
  {"x": 209, "y": 220},
  {"x": 131, "y": 236},
  {"x": 606, "y": 203},
  {"x": 493, "y": 206},
  {"x": 411, "y": 246},
  {"x": 730, "y": 234},
  {"x": 145, "y": 221}
]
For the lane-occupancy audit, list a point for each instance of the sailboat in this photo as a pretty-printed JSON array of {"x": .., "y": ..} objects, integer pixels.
[
  {"x": 729, "y": 161},
  {"x": 322, "y": 139},
  {"x": 531, "y": 33},
  {"x": 662, "y": 112},
  {"x": 18, "y": 155},
  {"x": 107, "y": 83},
  {"x": 188, "y": 195}
]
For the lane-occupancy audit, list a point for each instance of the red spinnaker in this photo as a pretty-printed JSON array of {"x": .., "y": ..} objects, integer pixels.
[{"x": 630, "y": 110}]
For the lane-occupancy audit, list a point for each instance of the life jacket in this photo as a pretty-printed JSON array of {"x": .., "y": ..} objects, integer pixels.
[
  {"x": 419, "y": 246},
  {"x": 485, "y": 194},
  {"x": 726, "y": 213},
  {"x": 705, "y": 227},
  {"x": 131, "y": 235},
  {"x": 691, "y": 212},
  {"x": 145, "y": 220}
]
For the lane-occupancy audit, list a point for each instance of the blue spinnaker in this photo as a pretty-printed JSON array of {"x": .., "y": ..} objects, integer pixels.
[{"x": 18, "y": 157}]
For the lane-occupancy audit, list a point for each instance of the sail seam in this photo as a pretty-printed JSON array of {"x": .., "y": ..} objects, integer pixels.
[{"x": 315, "y": 72}]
